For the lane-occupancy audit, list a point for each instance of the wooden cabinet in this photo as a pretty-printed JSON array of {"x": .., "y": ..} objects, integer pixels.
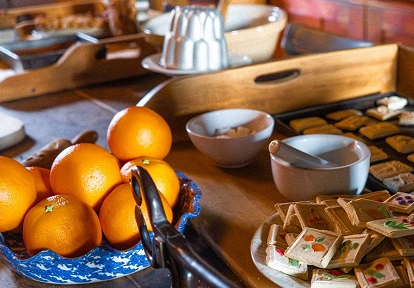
[
  {"x": 390, "y": 21},
  {"x": 377, "y": 21},
  {"x": 342, "y": 18}
]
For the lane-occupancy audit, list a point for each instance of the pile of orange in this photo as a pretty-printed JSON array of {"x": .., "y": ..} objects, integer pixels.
[{"x": 87, "y": 192}]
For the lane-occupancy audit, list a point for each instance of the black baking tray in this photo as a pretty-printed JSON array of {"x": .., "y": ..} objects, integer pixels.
[
  {"x": 360, "y": 103},
  {"x": 32, "y": 54}
]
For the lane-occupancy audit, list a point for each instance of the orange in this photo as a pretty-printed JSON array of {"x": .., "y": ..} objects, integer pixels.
[
  {"x": 139, "y": 131},
  {"x": 161, "y": 172},
  {"x": 86, "y": 171},
  {"x": 63, "y": 224},
  {"x": 17, "y": 193},
  {"x": 117, "y": 216},
  {"x": 42, "y": 180}
]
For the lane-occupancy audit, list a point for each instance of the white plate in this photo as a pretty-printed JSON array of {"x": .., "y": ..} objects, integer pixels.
[
  {"x": 152, "y": 63},
  {"x": 258, "y": 253}
]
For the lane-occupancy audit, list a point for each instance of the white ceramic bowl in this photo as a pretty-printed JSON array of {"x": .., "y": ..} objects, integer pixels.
[
  {"x": 251, "y": 30},
  {"x": 230, "y": 152},
  {"x": 297, "y": 184}
]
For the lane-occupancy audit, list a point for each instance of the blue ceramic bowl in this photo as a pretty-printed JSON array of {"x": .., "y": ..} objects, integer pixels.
[{"x": 101, "y": 263}]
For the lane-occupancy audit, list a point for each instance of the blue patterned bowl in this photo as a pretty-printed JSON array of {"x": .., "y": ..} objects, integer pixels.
[{"x": 101, "y": 263}]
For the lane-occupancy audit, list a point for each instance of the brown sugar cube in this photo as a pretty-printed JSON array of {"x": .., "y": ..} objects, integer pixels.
[
  {"x": 379, "y": 130},
  {"x": 401, "y": 143},
  {"x": 352, "y": 123},
  {"x": 308, "y": 122}
]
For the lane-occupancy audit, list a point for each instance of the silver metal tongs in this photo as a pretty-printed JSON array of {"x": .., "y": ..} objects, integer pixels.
[{"x": 167, "y": 248}]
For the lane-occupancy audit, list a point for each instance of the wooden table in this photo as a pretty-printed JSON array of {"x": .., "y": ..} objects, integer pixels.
[{"x": 234, "y": 203}]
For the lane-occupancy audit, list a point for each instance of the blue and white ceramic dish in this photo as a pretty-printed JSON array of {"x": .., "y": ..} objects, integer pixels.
[{"x": 100, "y": 264}]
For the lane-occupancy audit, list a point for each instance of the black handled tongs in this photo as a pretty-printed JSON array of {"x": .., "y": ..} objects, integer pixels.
[{"x": 168, "y": 248}]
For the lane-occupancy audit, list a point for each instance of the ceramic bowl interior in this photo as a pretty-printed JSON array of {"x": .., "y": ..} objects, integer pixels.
[
  {"x": 351, "y": 156},
  {"x": 251, "y": 30},
  {"x": 230, "y": 152}
]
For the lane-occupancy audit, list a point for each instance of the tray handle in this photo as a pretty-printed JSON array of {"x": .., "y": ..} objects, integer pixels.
[{"x": 277, "y": 77}]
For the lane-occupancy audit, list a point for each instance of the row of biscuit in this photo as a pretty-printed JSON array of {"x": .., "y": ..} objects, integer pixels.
[
  {"x": 366, "y": 240},
  {"x": 373, "y": 127}
]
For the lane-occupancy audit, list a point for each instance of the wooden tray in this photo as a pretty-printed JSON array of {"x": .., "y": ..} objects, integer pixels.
[
  {"x": 236, "y": 202},
  {"x": 82, "y": 64}
]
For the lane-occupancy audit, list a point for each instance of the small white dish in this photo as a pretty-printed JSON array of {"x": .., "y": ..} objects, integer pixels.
[
  {"x": 230, "y": 152},
  {"x": 152, "y": 63}
]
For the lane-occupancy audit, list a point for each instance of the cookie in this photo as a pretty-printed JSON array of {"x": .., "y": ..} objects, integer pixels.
[
  {"x": 393, "y": 227},
  {"x": 382, "y": 112},
  {"x": 342, "y": 114},
  {"x": 313, "y": 216},
  {"x": 322, "y": 278},
  {"x": 389, "y": 169},
  {"x": 403, "y": 182},
  {"x": 377, "y": 154},
  {"x": 374, "y": 240},
  {"x": 320, "y": 198},
  {"x": 282, "y": 208},
  {"x": 401, "y": 202},
  {"x": 277, "y": 236},
  {"x": 350, "y": 252},
  {"x": 406, "y": 118},
  {"x": 291, "y": 223},
  {"x": 340, "y": 217},
  {"x": 308, "y": 122},
  {"x": 379, "y": 273},
  {"x": 352, "y": 123},
  {"x": 383, "y": 249},
  {"x": 360, "y": 211},
  {"x": 402, "y": 273},
  {"x": 378, "y": 130},
  {"x": 314, "y": 247},
  {"x": 404, "y": 245},
  {"x": 323, "y": 129},
  {"x": 379, "y": 196},
  {"x": 403, "y": 144},
  {"x": 290, "y": 238},
  {"x": 393, "y": 102},
  {"x": 276, "y": 259},
  {"x": 353, "y": 136},
  {"x": 408, "y": 263}
]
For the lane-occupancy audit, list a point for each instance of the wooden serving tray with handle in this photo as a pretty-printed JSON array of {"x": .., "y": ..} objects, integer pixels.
[{"x": 287, "y": 85}]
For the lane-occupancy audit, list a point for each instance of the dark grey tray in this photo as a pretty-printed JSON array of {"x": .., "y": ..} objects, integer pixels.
[{"x": 32, "y": 54}]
